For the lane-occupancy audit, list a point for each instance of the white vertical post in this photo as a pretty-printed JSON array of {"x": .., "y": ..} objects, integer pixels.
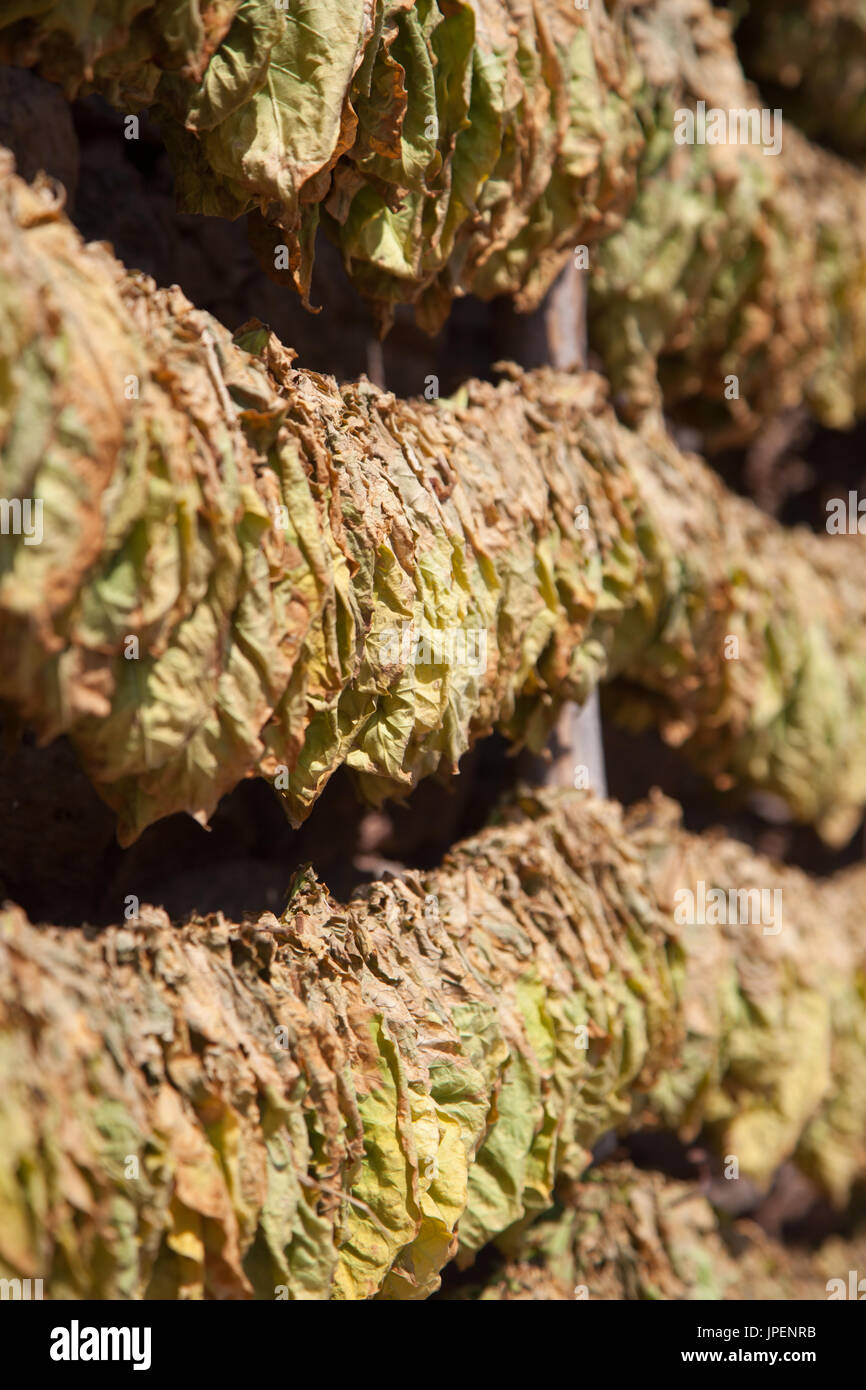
[{"x": 576, "y": 740}]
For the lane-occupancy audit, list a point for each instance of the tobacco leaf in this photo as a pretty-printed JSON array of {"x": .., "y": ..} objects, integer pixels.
[
  {"x": 117, "y": 47},
  {"x": 624, "y": 1234},
  {"x": 338, "y": 1102},
  {"x": 446, "y": 147},
  {"x": 473, "y": 147},
  {"x": 246, "y": 569},
  {"x": 733, "y": 291}
]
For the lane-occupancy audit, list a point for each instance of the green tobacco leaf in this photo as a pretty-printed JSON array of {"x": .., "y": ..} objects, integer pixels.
[
  {"x": 734, "y": 289},
  {"x": 341, "y": 1101},
  {"x": 245, "y": 569},
  {"x": 236, "y": 72},
  {"x": 428, "y": 132}
]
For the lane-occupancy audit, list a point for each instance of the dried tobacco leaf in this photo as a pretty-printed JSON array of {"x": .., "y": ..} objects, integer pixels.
[
  {"x": 445, "y": 146},
  {"x": 120, "y": 48},
  {"x": 471, "y": 146},
  {"x": 246, "y": 569},
  {"x": 738, "y": 277},
  {"x": 333, "y": 1104},
  {"x": 626, "y": 1234}
]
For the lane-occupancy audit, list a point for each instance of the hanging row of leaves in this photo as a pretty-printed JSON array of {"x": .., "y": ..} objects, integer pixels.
[
  {"x": 472, "y": 145},
  {"x": 442, "y": 145},
  {"x": 243, "y": 568},
  {"x": 337, "y": 1102},
  {"x": 734, "y": 290},
  {"x": 623, "y": 1233}
]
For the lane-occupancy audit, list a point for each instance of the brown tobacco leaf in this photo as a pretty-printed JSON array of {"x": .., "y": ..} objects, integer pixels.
[
  {"x": 445, "y": 147},
  {"x": 333, "y": 1104},
  {"x": 625, "y": 1234},
  {"x": 475, "y": 147},
  {"x": 244, "y": 568},
  {"x": 735, "y": 286}
]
